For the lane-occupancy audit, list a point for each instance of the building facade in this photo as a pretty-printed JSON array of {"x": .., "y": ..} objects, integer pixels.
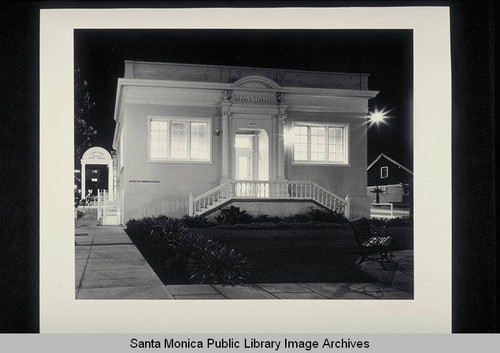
[
  {"x": 393, "y": 180},
  {"x": 192, "y": 138}
]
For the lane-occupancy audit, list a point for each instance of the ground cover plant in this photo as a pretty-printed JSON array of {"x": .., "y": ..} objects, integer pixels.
[
  {"x": 298, "y": 248},
  {"x": 181, "y": 256}
]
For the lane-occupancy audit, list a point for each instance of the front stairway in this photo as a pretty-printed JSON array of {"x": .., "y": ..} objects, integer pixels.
[{"x": 266, "y": 190}]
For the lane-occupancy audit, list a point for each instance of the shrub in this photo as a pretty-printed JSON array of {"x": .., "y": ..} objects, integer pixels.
[
  {"x": 195, "y": 221},
  {"x": 218, "y": 265},
  {"x": 280, "y": 226},
  {"x": 322, "y": 215},
  {"x": 233, "y": 215},
  {"x": 264, "y": 218},
  {"x": 392, "y": 222},
  {"x": 207, "y": 261},
  {"x": 146, "y": 225},
  {"x": 168, "y": 227},
  {"x": 298, "y": 217},
  {"x": 186, "y": 256}
]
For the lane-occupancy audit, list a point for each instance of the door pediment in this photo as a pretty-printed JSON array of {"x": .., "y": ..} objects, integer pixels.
[{"x": 256, "y": 83}]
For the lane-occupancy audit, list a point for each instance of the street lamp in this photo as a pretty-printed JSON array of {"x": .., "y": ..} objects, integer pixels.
[{"x": 377, "y": 117}]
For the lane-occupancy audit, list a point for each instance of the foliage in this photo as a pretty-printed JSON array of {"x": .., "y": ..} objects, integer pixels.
[
  {"x": 185, "y": 255},
  {"x": 84, "y": 133},
  {"x": 264, "y": 218},
  {"x": 392, "y": 222},
  {"x": 322, "y": 215},
  {"x": 160, "y": 225},
  {"x": 281, "y": 225},
  {"x": 316, "y": 215},
  {"x": 195, "y": 221},
  {"x": 233, "y": 215},
  {"x": 207, "y": 261},
  {"x": 218, "y": 265},
  {"x": 298, "y": 218}
]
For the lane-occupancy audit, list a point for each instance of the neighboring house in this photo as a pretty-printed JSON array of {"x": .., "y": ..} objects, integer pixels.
[
  {"x": 98, "y": 170},
  {"x": 393, "y": 179},
  {"x": 192, "y": 138}
]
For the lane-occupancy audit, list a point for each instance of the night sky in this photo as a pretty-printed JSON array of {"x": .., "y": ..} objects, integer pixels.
[{"x": 387, "y": 55}]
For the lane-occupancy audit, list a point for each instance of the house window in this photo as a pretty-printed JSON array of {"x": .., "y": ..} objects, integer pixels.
[
  {"x": 384, "y": 172},
  {"x": 179, "y": 140},
  {"x": 320, "y": 143}
]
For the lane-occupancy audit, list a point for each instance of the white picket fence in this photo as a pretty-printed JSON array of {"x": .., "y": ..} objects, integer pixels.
[
  {"x": 386, "y": 210},
  {"x": 109, "y": 208}
]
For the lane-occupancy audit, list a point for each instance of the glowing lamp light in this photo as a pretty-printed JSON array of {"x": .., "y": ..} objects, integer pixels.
[{"x": 378, "y": 117}]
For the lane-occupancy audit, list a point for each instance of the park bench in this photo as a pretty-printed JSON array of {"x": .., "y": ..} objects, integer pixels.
[{"x": 374, "y": 245}]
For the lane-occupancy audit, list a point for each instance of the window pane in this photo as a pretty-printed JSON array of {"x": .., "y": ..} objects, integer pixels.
[
  {"x": 158, "y": 139},
  {"x": 199, "y": 141},
  {"x": 336, "y": 144},
  {"x": 179, "y": 143},
  {"x": 318, "y": 143},
  {"x": 300, "y": 143}
]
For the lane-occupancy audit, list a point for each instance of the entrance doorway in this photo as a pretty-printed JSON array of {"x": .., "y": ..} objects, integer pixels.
[
  {"x": 244, "y": 154},
  {"x": 251, "y": 155},
  {"x": 97, "y": 172},
  {"x": 96, "y": 178},
  {"x": 251, "y": 163}
]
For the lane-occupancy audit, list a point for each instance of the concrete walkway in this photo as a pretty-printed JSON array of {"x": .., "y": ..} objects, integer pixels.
[{"x": 109, "y": 266}]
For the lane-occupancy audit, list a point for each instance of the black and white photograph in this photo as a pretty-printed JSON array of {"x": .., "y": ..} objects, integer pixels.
[
  {"x": 244, "y": 164},
  {"x": 330, "y": 165}
]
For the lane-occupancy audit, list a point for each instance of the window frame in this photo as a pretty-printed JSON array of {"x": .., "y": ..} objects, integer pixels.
[
  {"x": 382, "y": 172},
  {"x": 327, "y": 125},
  {"x": 187, "y": 121}
]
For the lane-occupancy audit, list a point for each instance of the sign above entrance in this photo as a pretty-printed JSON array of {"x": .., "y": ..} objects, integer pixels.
[
  {"x": 247, "y": 98},
  {"x": 96, "y": 155}
]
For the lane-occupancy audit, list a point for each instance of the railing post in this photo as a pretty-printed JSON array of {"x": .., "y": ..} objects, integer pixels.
[
  {"x": 191, "y": 204},
  {"x": 347, "y": 209}
]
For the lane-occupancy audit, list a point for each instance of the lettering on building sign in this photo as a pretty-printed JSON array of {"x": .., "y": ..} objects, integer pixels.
[
  {"x": 254, "y": 99},
  {"x": 143, "y": 181},
  {"x": 252, "y": 123},
  {"x": 96, "y": 155}
]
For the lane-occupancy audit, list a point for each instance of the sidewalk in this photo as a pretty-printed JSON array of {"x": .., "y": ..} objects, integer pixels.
[{"x": 109, "y": 266}]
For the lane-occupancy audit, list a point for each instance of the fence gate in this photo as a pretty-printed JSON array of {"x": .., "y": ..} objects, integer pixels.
[{"x": 109, "y": 208}]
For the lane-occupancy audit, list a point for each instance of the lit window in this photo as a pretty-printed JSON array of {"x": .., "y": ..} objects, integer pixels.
[
  {"x": 300, "y": 143},
  {"x": 320, "y": 143},
  {"x": 94, "y": 180},
  {"x": 199, "y": 141},
  {"x": 384, "y": 172},
  {"x": 179, "y": 140}
]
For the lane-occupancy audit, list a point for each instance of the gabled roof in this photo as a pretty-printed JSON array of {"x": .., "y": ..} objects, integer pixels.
[{"x": 391, "y": 160}]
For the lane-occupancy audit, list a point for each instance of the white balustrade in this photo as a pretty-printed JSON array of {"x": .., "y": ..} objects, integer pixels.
[{"x": 259, "y": 189}]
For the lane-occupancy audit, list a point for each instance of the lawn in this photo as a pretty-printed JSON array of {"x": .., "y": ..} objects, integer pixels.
[{"x": 305, "y": 255}]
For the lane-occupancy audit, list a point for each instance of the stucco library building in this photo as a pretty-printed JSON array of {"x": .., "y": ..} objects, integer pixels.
[{"x": 191, "y": 139}]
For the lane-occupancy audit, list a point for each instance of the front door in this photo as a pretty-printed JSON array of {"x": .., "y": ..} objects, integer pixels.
[{"x": 245, "y": 168}]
